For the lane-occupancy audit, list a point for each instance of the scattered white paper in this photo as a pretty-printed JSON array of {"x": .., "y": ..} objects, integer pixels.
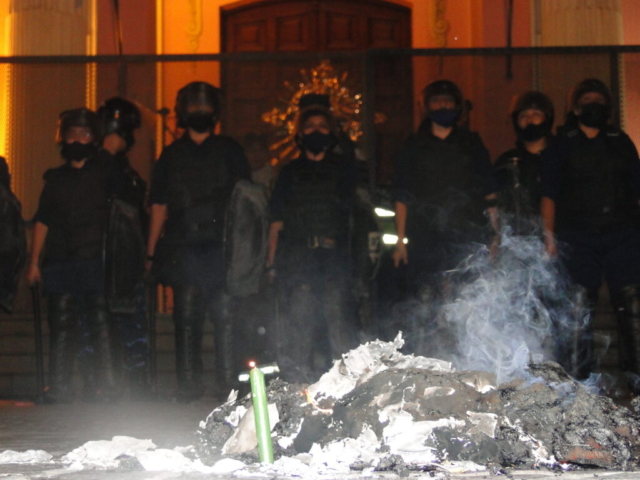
[{"x": 30, "y": 456}]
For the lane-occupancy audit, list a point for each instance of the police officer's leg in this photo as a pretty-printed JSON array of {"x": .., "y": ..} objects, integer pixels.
[
  {"x": 580, "y": 360},
  {"x": 224, "y": 338},
  {"x": 629, "y": 328},
  {"x": 188, "y": 317},
  {"x": 337, "y": 303},
  {"x": 102, "y": 340},
  {"x": 297, "y": 333},
  {"x": 340, "y": 316},
  {"x": 582, "y": 257},
  {"x": 62, "y": 331},
  {"x": 622, "y": 270},
  {"x": 133, "y": 347}
]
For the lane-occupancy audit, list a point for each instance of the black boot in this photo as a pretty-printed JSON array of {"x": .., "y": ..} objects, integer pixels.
[
  {"x": 103, "y": 347},
  {"x": 225, "y": 332},
  {"x": 188, "y": 316},
  {"x": 299, "y": 323},
  {"x": 629, "y": 331},
  {"x": 62, "y": 351}
]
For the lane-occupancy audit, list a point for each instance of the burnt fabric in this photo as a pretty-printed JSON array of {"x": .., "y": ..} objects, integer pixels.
[{"x": 13, "y": 245}]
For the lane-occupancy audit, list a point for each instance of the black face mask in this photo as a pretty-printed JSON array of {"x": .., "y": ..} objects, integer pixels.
[
  {"x": 200, "y": 121},
  {"x": 532, "y": 132},
  {"x": 594, "y": 115},
  {"x": 77, "y": 151},
  {"x": 317, "y": 142},
  {"x": 445, "y": 117}
]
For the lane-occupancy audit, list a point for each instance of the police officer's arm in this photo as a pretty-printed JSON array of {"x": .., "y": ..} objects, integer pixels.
[
  {"x": 548, "y": 214},
  {"x": 488, "y": 180},
  {"x": 550, "y": 185},
  {"x": 276, "y": 212},
  {"x": 41, "y": 221},
  {"x": 403, "y": 195},
  {"x": 400, "y": 253},
  {"x": 158, "y": 206},
  {"x": 40, "y": 231},
  {"x": 156, "y": 224}
]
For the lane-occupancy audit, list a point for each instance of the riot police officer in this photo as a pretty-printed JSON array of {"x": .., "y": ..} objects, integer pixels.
[
  {"x": 444, "y": 188},
  {"x": 126, "y": 246},
  {"x": 70, "y": 225},
  {"x": 591, "y": 190},
  {"x": 518, "y": 170},
  {"x": 309, "y": 246},
  {"x": 12, "y": 239},
  {"x": 190, "y": 190}
]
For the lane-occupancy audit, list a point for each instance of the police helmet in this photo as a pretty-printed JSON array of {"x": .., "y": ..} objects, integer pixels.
[
  {"x": 197, "y": 93},
  {"x": 314, "y": 99},
  {"x": 587, "y": 86},
  {"x": 79, "y": 117},
  {"x": 533, "y": 100},
  {"x": 443, "y": 87},
  {"x": 120, "y": 116}
]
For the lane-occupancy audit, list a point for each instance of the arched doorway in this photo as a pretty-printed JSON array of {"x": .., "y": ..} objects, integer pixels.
[{"x": 318, "y": 26}]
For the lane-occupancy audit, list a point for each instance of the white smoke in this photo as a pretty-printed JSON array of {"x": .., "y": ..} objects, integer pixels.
[{"x": 515, "y": 308}]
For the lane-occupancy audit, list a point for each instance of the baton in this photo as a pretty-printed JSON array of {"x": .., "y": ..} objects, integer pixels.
[
  {"x": 152, "y": 307},
  {"x": 37, "y": 329}
]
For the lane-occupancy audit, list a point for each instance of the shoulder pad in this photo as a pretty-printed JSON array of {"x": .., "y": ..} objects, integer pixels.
[{"x": 53, "y": 173}]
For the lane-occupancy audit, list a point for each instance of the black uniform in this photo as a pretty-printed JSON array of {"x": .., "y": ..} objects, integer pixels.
[
  {"x": 195, "y": 183},
  {"x": 595, "y": 184},
  {"x": 74, "y": 205},
  {"x": 443, "y": 183},
  {"x": 13, "y": 245},
  {"x": 314, "y": 201},
  {"x": 125, "y": 290}
]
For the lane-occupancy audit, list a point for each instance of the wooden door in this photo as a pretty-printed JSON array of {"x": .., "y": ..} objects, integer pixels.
[{"x": 316, "y": 26}]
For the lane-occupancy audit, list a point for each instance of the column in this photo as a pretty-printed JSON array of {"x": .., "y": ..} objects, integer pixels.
[{"x": 39, "y": 92}]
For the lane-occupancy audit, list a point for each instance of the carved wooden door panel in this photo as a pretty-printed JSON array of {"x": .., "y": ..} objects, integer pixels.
[{"x": 316, "y": 26}]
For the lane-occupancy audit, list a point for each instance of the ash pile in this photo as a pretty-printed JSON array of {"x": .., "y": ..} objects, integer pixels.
[{"x": 378, "y": 409}]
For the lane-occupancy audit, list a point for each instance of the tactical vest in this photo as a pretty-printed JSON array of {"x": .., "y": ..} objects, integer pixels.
[
  {"x": 447, "y": 197},
  {"x": 314, "y": 207},
  {"x": 597, "y": 184},
  {"x": 518, "y": 174},
  {"x": 198, "y": 190},
  {"x": 81, "y": 211}
]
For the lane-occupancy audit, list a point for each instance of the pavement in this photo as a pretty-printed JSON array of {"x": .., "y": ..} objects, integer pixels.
[{"x": 58, "y": 429}]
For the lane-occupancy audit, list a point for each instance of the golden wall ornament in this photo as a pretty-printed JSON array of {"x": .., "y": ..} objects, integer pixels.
[
  {"x": 194, "y": 27},
  {"x": 323, "y": 79},
  {"x": 440, "y": 26}
]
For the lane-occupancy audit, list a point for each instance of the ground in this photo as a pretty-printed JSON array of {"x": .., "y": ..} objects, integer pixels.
[{"x": 59, "y": 429}]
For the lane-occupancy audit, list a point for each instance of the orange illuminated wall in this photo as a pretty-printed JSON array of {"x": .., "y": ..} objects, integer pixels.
[{"x": 4, "y": 79}]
